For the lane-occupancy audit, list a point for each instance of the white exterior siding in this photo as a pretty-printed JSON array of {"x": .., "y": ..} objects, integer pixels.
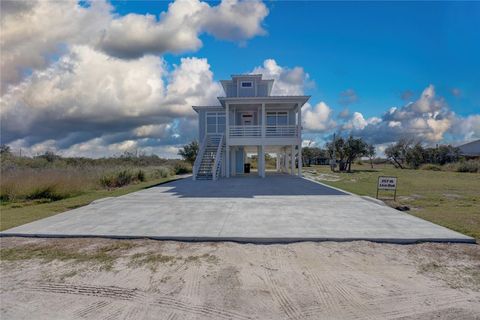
[{"x": 281, "y": 135}]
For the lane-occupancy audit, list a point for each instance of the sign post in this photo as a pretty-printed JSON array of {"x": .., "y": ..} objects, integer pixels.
[{"x": 387, "y": 183}]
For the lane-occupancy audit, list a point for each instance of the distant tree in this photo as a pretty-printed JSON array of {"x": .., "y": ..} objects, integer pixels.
[
  {"x": 415, "y": 156},
  {"x": 397, "y": 152},
  {"x": 189, "y": 151},
  {"x": 307, "y": 156},
  {"x": 337, "y": 148},
  {"x": 354, "y": 148},
  {"x": 5, "y": 150},
  {"x": 346, "y": 151},
  {"x": 370, "y": 153},
  {"x": 446, "y": 154},
  {"x": 50, "y": 156}
]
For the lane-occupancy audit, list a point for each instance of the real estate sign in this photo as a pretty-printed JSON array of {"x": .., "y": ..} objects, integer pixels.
[{"x": 387, "y": 183}]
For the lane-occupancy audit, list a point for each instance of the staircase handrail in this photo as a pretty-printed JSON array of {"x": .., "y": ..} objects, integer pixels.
[
  {"x": 198, "y": 159},
  {"x": 217, "y": 158}
]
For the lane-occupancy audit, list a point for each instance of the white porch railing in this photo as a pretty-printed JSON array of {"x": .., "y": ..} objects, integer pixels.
[
  {"x": 245, "y": 131},
  {"x": 281, "y": 131},
  {"x": 270, "y": 131}
]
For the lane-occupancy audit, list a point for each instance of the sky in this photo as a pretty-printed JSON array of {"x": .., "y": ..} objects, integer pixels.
[{"x": 104, "y": 77}]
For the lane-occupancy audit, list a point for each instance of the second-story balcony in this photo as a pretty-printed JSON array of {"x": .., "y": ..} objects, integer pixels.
[{"x": 252, "y": 131}]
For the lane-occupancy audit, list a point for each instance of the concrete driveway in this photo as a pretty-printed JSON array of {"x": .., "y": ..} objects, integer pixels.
[{"x": 279, "y": 208}]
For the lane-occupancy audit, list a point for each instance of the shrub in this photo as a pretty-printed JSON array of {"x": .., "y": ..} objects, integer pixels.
[
  {"x": 161, "y": 172},
  {"x": 432, "y": 167},
  {"x": 182, "y": 168},
  {"x": 468, "y": 166},
  {"x": 141, "y": 175},
  {"x": 117, "y": 179}
]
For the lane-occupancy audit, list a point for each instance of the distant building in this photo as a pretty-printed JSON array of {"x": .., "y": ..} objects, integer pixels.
[{"x": 471, "y": 149}]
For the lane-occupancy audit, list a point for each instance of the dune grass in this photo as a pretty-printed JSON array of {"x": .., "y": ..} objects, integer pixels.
[
  {"x": 13, "y": 214},
  {"x": 450, "y": 199}
]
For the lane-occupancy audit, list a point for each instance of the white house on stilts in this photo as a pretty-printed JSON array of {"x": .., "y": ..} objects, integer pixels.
[{"x": 249, "y": 120}]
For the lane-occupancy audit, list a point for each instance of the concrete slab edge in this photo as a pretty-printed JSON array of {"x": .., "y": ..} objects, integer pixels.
[
  {"x": 252, "y": 240},
  {"x": 326, "y": 185},
  {"x": 381, "y": 203}
]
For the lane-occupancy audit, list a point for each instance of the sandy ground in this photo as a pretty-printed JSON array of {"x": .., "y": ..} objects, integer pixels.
[{"x": 175, "y": 280}]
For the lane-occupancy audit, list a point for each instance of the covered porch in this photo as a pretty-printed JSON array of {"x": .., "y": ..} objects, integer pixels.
[{"x": 257, "y": 160}]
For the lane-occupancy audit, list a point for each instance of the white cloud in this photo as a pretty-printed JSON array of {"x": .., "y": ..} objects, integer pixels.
[
  {"x": 357, "y": 121},
  {"x": 88, "y": 95},
  {"x": 468, "y": 127},
  {"x": 428, "y": 118},
  {"x": 35, "y": 32},
  {"x": 308, "y": 143},
  {"x": 235, "y": 20},
  {"x": 178, "y": 29},
  {"x": 318, "y": 118},
  {"x": 287, "y": 81}
]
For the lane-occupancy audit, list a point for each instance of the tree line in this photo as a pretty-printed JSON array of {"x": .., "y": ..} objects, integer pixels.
[
  {"x": 407, "y": 152},
  {"x": 344, "y": 151}
]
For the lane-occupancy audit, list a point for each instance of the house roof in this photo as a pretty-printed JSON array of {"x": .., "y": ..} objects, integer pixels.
[
  {"x": 269, "y": 99},
  {"x": 471, "y": 149},
  {"x": 198, "y": 108},
  {"x": 269, "y": 82},
  {"x": 247, "y": 75}
]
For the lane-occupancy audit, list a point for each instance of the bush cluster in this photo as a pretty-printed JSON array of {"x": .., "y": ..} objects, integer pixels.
[
  {"x": 468, "y": 166},
  {"x": 51, "y": 177},
  {"x": 122, "y": 178},
  {"x": 471, "y": 166}
]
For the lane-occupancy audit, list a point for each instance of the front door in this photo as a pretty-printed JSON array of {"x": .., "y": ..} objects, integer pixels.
[{"x": 247, "y": 119}]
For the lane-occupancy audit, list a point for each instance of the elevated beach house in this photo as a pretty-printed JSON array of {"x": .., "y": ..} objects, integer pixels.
[{"x": 249, "y": 121}]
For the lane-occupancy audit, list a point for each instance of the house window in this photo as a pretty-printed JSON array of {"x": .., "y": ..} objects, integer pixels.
[
  {"x": 246, "y": 84},
  {"x": 215, "y": 122},
  {"x": 277, "y": 118}
]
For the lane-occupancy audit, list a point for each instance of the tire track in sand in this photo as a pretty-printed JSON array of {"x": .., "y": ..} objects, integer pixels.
[
  {"x": 206, "y": 311},
  {"x": 134, "y": 296},
  {"x": 281, "y": 297}
]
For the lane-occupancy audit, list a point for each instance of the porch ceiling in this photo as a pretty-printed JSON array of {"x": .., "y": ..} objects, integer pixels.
[
  {"x": 255, "y": 106},
  {"x": 268, "y": 149}
]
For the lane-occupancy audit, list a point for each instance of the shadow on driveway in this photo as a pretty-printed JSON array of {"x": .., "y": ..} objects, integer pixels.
[{"x": 248, "y": 187}]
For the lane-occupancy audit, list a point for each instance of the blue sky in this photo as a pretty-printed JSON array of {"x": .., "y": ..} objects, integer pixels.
[
  {"x": 379, "y": 49},
  {"x": 104, "y": 77}
]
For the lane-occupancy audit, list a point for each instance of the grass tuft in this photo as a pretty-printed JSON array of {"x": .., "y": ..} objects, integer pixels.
[{"x": 104, "y": 256}]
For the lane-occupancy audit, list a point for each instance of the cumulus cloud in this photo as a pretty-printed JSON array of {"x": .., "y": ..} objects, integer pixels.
[
  {"x": 288, "y": 81},
  {"x": 468, "y": 127},
  {"x": 178, "y": 29},
  {"x": 35, "y": 32},
  {"x": 358, "y": 122},
  {"x": 318, "y": 118},
  {"x": 429, "y": 118},
  {"x": 87, "y": 97}
]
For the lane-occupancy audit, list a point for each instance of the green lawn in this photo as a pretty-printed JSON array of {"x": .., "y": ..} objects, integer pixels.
[
  {"x": 15, "y": 214},
  {"x": 450, "y": 199}
]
